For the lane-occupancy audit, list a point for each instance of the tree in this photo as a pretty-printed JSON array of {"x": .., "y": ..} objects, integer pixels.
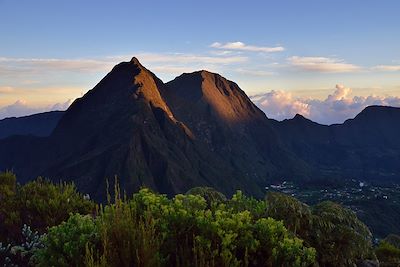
[
  {"x": 340, "y": 237},
  {"x": 295, "y": 214}
]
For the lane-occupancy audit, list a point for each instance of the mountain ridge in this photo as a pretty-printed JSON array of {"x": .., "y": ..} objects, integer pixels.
[{"x": 198, "y": 129}]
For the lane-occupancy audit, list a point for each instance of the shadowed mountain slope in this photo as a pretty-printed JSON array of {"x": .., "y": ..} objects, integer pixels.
[
  {"x": 124, "y": 127},
  {"x": 198, "y": 130},
  {"x": 221, "y": 115},
  {"x": 366, "y": 147},
  {"x": 41, "y": 124}
]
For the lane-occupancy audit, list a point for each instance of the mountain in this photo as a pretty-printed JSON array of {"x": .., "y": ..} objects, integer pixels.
[
  {"x": 41, "y": 124},
  {"x": 198, "y": 129},
  {"x": 225, "y": 120},
  {"x": 132, "y": 125},
  {"x": 364, "y": 148}
]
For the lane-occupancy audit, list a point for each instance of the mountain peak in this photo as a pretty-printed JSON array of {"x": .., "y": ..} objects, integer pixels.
[
  {"x": 377, "y": 108},
  {"x": 299, "y": 117},
  {"x": 206, "y": 90},
  {"x": 375, "y": 112},
  {"x": 129, "y": 88},
  {"x": 135, "y": 61}
]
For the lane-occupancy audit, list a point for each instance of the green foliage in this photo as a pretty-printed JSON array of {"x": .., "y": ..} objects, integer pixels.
[
  {"x": 8, "y": 183},
  {"x": 287, "y": 250},
  {"x": 296, "y": 215},
  {"x": 201, "y": 228},
  {"x": 340, "y": 238},
  {"x": 128, "y": 236},
  {"x": 152, "y": 230},
  {"x": 7, "y": 212},
  {"x": 65, "y": 244},
  {"x": 388, "y": 251},
  {"x": 240, "y": 202},
  {"x": 393, "y": 240},
  {"x": 225, "y": 235},
  {"x": 40, "y": 204},
  {"x": 44, "y": 204},
  {"x": 22, "y": 254},
  {"x": 208, "y": 193},
  {"x": 388, "y": 254}
]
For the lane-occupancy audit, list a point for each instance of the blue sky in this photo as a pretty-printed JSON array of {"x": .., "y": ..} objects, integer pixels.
[{"x": 54, "y": 51}]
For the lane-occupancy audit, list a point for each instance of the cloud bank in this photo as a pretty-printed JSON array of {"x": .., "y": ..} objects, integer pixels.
[
  {"x": 335, "y": 108},
  {"x": 22, "y": 108}
]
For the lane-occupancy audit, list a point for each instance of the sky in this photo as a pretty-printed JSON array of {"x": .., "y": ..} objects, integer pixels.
[{"x": 326, "y": 60}]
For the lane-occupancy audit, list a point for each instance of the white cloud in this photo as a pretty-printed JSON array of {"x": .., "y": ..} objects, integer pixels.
[
  {"x": 243, "y": 47},
  {"x": 387, "y": 67},
  {"x": 22, "y": 108},
  {"x": 19, "y": 108},
  {"x": 61, "y": 106},
  {"x": 322, "y": 64},
  {"x": 335, "y": 108},
  {"x": 280, "y": 105}
]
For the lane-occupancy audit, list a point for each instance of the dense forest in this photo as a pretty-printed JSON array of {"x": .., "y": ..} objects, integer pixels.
[{"x": 47, "y": 224}]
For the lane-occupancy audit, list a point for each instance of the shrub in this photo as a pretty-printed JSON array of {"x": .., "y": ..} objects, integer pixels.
[
  {"x": 8, "y": 213},
  {"x": 40, "y": 204},
  {"x": 8, "y": 183},
  {"x": 152, "y": 230},
  {"x": 240, "y": 202},
  {"x": 208, "y": 193},
  {"x": 21, "y": 254},
  {"x": 295, "y": 215},
  {"x": 340, "y": 237},
  {"x": 393, "y": 240},
  {"x": 128, "y": 236},
  {"x": 388, "y": 251},
  {"x": 225, "y": 235},
  {"x": 65, "y": 244}
]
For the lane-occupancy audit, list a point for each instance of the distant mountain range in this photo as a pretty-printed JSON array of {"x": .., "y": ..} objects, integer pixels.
[
  {"x": 199, "y": 129},
  {"x": 41, "y": 124}
]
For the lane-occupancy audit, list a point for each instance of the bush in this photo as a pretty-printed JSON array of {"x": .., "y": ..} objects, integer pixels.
[
  {"x": 225, "y": 235},
  {"x": 393, "y": 240},
  {"x": 388, "y": 251},
  {"x": 388, "y": 254},
  {"x": 240, "y": 202},
  {"x": 21, "y": 254},
  {"x": 8, "y": 182},
  {"x": 188, "y": 230},
  {"x": 40, "y": 204},
  {"x": 208, "y": 193},
  {"x": 152, "y": 230},
  {"x": 128, "y": 235},
  {"x": 295, "y": 215},
  {"x": 340, "y": 238},
  {"x": 8, "y": 214},
  {"x": 66, "y": 244}
]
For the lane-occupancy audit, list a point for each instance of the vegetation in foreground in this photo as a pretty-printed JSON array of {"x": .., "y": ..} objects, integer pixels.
[{"x": 61, "y": 227}]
